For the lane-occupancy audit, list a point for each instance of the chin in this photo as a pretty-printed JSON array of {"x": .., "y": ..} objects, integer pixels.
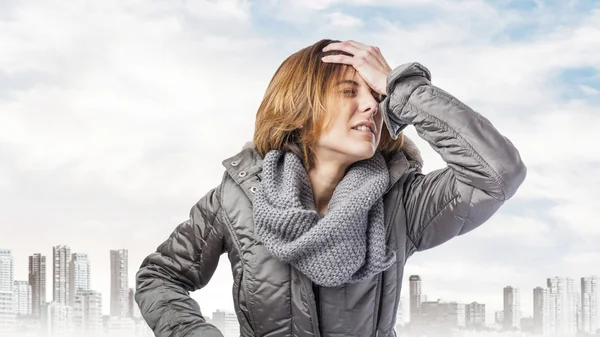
[{"x": 360, "y": 151}]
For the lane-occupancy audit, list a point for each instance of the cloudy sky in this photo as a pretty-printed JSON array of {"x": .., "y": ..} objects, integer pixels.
[{"x": 115, "y": 116}]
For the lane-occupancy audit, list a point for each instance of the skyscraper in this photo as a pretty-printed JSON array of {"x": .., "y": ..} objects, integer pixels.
[
  {"x": 416, "y": 298},
  {"x": 563, "y": 306},
  {"x": 226, "y": 322},
  {"x": 60, "y": 270},
  {"x": 57, "y": 319},
  {"x": 79, "y": 275},
  {"x": 438, "y": 316},
  {"x": 130, "y": 302},
  {"x": 119, "y": 285},
  {"x": 541, "y": 311},
  {"x": 22, "y": 296},
  {"x": 7, "y": 270},
  {"x": 37, "y": 280},
  {"x": 512, "y": 309},
  {"x": 400, "y": 313},
  {"x": 475, "y": 315},
  {"x": 7, "y": 315},
  {"x": 589, "y": 304},
  {"x": 87, "y": 313}
]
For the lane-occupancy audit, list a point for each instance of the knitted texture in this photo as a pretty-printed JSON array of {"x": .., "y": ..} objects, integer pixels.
[{"x": 348, "y": 244}]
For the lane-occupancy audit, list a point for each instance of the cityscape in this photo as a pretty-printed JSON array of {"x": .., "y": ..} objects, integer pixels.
[
  {"x": 559, "y": 310},
  {"x": 73, "y": 308}
]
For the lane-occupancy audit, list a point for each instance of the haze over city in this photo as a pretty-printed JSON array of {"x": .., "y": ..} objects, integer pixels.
[{"x": 115, "y": 117}]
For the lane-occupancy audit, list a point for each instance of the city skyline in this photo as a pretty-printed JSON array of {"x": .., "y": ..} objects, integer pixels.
[
  {"x": 114, "y": 121},
  {"x": 412, "y": 286},
  {"x": 559, "y": 307}
]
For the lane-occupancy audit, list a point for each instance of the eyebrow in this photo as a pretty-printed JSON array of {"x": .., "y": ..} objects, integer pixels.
[
  {"x": 348, "y": 82},
  {"x": 354, "y": 83}
]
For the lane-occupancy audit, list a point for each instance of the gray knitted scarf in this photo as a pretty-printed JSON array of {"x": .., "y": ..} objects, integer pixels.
[{"x": 348, "y": 244}]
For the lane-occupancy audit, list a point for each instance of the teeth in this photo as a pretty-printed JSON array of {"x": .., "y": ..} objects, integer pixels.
[{"x": 363, "y": 128}]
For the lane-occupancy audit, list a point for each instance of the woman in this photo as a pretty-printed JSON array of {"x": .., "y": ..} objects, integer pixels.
[{"x": 319, "y": 215}]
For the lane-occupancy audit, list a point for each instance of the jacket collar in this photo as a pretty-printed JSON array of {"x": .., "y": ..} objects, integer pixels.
[{"x": 245, "y": 168}]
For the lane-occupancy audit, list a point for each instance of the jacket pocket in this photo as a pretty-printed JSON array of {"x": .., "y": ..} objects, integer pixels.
[{"x": 241, "y": 308}]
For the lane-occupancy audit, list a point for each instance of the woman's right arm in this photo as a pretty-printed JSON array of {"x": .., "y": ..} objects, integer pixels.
[{"x": 185, "y": 262}]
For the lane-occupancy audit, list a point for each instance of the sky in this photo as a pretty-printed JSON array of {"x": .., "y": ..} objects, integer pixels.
[{"x": 115, "y": 116}]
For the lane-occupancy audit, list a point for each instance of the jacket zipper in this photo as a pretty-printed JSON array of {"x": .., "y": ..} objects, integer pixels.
[
  {"x": 377, "y": 300},
  {"x": 380, "y": 278},
  {"x": 307, "y": 284}
]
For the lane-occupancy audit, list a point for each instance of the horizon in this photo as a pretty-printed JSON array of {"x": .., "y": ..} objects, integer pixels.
[{"x": 115, "y": 117}]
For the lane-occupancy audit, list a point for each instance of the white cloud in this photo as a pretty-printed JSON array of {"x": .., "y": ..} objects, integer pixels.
[
  {"x": 578, "y": 260},
  {"x": 219, "y": 10},
  {"x": 521, "y": 231},
  {"x": 127, "y": 108},
  {"x": 341, "y": 20},
  {"x": 586, "y": 89}
]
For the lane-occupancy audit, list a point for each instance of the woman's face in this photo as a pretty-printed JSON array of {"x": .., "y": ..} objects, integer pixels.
[{"x": 356, "y": 124}]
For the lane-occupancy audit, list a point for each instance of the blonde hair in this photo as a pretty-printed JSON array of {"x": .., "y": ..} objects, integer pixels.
[{"x": 292, "y": 114}]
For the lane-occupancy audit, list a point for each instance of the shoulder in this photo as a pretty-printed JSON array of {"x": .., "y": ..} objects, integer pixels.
[{"x": 243, "y": 172}]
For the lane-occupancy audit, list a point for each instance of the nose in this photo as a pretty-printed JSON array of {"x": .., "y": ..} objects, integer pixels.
[{"x": 370, "y": 105}]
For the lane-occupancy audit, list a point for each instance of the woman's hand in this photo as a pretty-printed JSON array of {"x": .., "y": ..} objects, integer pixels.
[{"x": 367, "y": 60}]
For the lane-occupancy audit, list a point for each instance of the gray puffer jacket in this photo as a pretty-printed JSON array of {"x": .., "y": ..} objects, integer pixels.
[{"x": 272, "y": 299}]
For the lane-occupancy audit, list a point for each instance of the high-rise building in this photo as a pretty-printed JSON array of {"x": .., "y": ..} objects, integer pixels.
[
  {"x": 226, "y": 322},
  {"x": 79, "y": 275},
  {"x": 512, "y": 309},
  {"x": 37, "y": 280},
  {"x": 7, "y": 315},
  {"x": 541, "y": 311},
  {"x": 119, "y": 285},
  {"x": 22, "y": 297},
  {"x": 527, "y": 325},
  {"x": 7, "y": 270},
  {"x": 120, "y": 327},
  {"x": 475, "y": 315},
  {"x": 400, "y": 313},
  {"x": 437, "y": 316},
  {"x": 589, "y": 304},
  {"x": 60, "y": 270},
  {"x": 57, "y": 319},
  {"x": 578, "y": 313},
  {"x": 87, "y": 313},
  {"x": 130, "y": 302},
  {"x": 499, "y": 317},
  {"x": 563, "y": 306},
  {"x": 416, "y": 298},
  {"x": 7, "y": 276}
]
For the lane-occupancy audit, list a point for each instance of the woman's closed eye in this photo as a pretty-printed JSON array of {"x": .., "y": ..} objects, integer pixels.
[{"x": 350, "y": 92}]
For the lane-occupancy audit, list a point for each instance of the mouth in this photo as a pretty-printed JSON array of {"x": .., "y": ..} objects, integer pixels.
[{"x": 365, "y": 127}]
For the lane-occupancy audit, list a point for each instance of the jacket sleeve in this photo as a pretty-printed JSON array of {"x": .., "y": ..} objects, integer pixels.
[
  {"x": 185, "y": 262},
  {"x": 483, "y": 170}
]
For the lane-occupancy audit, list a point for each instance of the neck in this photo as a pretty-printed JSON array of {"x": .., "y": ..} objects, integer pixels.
[{"x": 324, "y": 177}]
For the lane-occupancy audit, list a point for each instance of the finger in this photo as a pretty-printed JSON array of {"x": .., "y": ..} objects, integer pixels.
[
  {"x": 373, "y": 50},
  {"x": 356, "y": 48},
  {"x": 343, "y": 46},
  {"x": 361, "y": 54},
  {"x": 360, "y": 46},
  {"x": 357, "y": 44},
  {"x": 344, "y": 59}
]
